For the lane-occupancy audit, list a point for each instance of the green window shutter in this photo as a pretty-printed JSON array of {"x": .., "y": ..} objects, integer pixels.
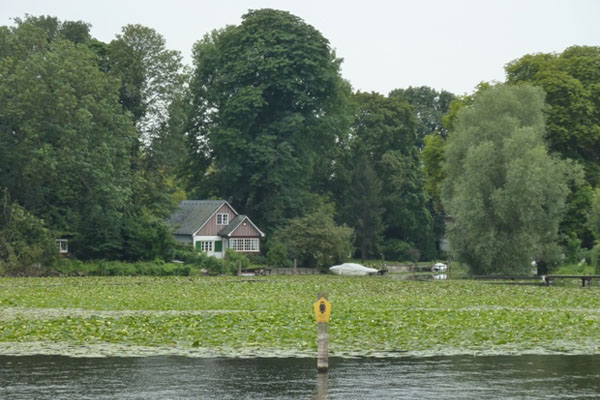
[
  {"x": 218, "y": 246},
  {"x": 198, "y": 246}
]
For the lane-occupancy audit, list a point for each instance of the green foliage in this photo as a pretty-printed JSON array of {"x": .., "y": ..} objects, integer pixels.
[
  {"x": 364, "y": 206},
  {"x": 396, "y": 249},
  {"x": 315, "y": 240},
  {"x": 116, "y": 268},
  {"x": 595, "y": 258},
  {"x": 147, "y": 238},
  {"x": 65, "y": 140},
  {"x": 25, "y": 241},
  {"x": 277, "y": 256},
  {"x": 504, "y": 193},
  {"x": 379, "y": 182},
  {"x": 433, "y": 168},
  {"x": 268, "y": 108},
  {"x": 274, "y": 317},
  {"x": 70, "y": 152},
  {"x": 593, "y": 216},
  {"x": 572, "y": 83},
  {"x": 151, "y": 76},
  {"x": 235, "y": 260},
  {"x": 580, "y": 268},
  {"x": 429, "y": 107}
]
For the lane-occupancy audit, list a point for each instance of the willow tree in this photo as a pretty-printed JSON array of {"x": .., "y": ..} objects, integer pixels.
[
  {"x": 504, "y": 193},
  {"x": 268, "y": 108}
]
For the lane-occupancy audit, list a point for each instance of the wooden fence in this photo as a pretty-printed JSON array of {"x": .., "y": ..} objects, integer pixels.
[{"x": 292, "y": 271}]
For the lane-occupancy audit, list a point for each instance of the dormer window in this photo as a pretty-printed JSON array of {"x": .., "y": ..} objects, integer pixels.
[{"x": 222, "y": 219}]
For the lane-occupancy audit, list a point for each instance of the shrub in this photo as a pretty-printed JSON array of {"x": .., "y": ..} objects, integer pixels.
[
  {"x": 396, "y": 249},
  {"x": 147, "y": 237},
  {"x": 277, "y": 256},
  {"x": 26, "y": 245},
  {"x": 315, "y": 239},
  {"x": 234, "y": 260}
]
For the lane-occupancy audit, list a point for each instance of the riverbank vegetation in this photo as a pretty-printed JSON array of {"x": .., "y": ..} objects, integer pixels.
[
  {"x": 260, "y": 316},
  {"x": 100, "y": 140}
]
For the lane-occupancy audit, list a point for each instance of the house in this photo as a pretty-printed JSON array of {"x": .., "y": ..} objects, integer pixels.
[{"x": 212, "y": 226}]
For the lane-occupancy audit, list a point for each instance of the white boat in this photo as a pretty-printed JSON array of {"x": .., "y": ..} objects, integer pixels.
[
  {"x": 439, "y": 267},
  {"x": 352, "y": 269}
]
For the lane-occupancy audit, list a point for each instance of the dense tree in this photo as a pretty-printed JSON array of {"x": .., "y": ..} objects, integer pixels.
[
  {"x": 504, "y": 194},
  {"x": 67, "y": 135},
  {"x": 26, "y": 244},
  {"x": 430, "y": 106},
  {"x": 64, "y": 139},
  {"x": 433, "y": 168},
  {"x": 151, "y": 75},
  {"x": 365, "y": 213},
  {"x": 315, "y": 240},
  {"x": 571, "y": 81},
  {"x": 383, "y": 138},
  {"x": 267, "y": 98}
]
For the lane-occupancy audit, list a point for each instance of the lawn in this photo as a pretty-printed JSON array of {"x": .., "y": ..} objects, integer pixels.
[{"x": 273, "y": 316}]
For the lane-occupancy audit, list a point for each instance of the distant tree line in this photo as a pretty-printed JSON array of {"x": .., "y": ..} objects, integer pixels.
[{"x": 99, "y": 141}]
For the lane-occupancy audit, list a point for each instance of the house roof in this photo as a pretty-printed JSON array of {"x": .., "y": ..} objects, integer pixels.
[
  {"x": 235, "y": 223},
  {"x": 191, "y": 215}
]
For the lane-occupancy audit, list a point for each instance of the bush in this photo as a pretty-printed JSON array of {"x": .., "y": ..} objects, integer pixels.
[
  {"x": 595, "y": 258},
  {"x": 396, "y": 249},
  {"x": 118, "y": 268},
  {"x": 257, "y": 259},
  {"x": 581, "y": 268},
  {"x": 315, "y": 239},
  {"x": 234, "y": 260},
  {"x": 146, "y": 238},
  {"x": 277, "y": 256},
  {"x": 27, "y": 247}
]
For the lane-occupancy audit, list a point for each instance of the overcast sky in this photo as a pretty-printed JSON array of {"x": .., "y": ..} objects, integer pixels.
[{"x": 451, "y": 45}]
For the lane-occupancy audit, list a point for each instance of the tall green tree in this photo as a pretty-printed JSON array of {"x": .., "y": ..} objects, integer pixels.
[
  {"x": 64, "y": 138},
  {"x": 571, "y": 81},
  {"x": 504, "y": 193},
  {"x": 153, "y": 88},
  {"x": 267, "y": 111},
  {"x": 383, "y": 137},
  {"x": 364, "y": 209},
  {"x": 315, "y": 240},
  {"x": 151, "y": 76}
]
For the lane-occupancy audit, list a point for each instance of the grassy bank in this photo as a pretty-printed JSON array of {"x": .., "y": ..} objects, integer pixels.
[{"x": 273, "y": 316}]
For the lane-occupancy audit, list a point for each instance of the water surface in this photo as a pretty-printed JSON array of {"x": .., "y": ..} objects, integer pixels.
[{"x": 163, "y": 377}]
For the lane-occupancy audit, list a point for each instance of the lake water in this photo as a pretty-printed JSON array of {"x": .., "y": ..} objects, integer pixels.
[{"x": 455, "y": 377}]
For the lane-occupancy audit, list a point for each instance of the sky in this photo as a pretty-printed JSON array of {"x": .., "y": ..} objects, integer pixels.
[{"x": 449, "y": 45}]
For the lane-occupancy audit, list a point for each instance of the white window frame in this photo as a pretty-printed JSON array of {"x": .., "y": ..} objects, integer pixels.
[
  {"x": 244, "y": 245},
  {"x": 206, "y": 246},
  {"x": 63, "y": 246},
  {"x": 222, "y": 219}
]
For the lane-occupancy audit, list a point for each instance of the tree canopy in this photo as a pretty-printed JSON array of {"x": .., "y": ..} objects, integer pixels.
[
  {"x": 571, "y": 81},
  {"x": 380, "y": 181},
  {"x": 504, "y": 193},
  {"x": 267, "y": 110}
]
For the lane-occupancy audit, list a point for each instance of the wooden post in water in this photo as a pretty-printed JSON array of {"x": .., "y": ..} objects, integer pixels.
[
  {"x": 322, "y": 384},
  {"x": 322, "y": 311}
]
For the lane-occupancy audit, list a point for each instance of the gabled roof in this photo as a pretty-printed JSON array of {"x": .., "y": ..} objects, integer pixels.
[
  {"x": 235, "y": 223},
  {"x": 191, "y": 215}
]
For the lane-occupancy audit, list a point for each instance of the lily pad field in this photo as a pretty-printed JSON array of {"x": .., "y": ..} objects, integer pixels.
[{"x": 274, "y": 317}]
